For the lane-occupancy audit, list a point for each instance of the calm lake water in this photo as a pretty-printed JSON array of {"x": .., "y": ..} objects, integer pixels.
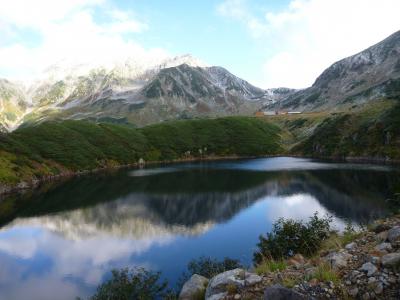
[{"x": 61, "y": 241}]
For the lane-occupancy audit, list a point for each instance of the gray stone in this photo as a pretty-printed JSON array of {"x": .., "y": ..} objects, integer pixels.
[
  {"x": 370, "y": 268},
  {"x": 371, "y": 280},
  {"x": 394, "y": 234},
  {"x": 378, "y": 288},
  {"x": 391, "y": 259},
  {"x": 23, "y": 185},
  {"x": 375, "y": 260},
  {"x": 378, "y": 228},
  {"x": 195, "y": 286},
  {"x": 382, "y": 236},
  {"x": 353, "y": 292},
  {"x": 337, "y": 260},
  {"x": 366, "y": 296},
  {"x": 218, "y": 296},
  {"x": 350, "y": 246},
  {"x": 383, "y": 247},
  {"x": 309, "y": 272},
  {"x": 237, "y": 277},
  {"x": 278, "y": 292}
]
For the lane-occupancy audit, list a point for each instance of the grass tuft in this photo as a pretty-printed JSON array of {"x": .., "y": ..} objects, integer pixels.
[{"x": 267, "y": 266}]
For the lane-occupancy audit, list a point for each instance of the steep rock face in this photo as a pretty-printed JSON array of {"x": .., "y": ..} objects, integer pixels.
[
  {"x": 198, "y": 91},
  {"x": 12, "y": 104},
  {"x": 368, "y": 75}
]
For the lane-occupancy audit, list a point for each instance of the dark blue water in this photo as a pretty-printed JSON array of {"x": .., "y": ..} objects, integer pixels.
[{"x": 62, "y": 240}]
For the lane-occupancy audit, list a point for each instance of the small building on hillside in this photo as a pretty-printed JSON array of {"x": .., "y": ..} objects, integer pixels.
[
  {"x": 270, "y": 113},
  {"x": 275, "y": 112},
  {"x": 265, "y": 113}
]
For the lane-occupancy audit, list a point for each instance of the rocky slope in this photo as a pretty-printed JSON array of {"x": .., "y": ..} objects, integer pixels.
[
  {"x": 371, "y": 74},
  {"x": 12, "y": 104},
  {"x": 131, "y": 91},
  {"x": 366, "y": 268}
]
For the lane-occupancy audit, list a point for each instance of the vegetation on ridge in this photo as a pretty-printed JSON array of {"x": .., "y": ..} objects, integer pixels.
[
  {"x": 371, "y": 132},
  {"x": 52, "y": 148}
]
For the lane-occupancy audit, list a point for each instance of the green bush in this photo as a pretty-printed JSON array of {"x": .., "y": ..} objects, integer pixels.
[
  {"x": 209, "y": 267},
  {"x": 270, "y": 265},
  {"x": 289, "y": 237},
  {"x": 128, "y": 284}
]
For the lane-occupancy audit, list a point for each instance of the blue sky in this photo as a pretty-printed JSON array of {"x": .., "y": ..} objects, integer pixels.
[
  {"x": 270, "y": 43},
  {"x": 201, "y": 31}
]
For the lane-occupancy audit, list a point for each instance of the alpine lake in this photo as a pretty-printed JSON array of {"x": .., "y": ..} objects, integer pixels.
[{"x": 62, "y": 240}]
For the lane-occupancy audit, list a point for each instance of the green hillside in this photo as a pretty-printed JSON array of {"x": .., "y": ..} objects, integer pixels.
[
  {"x": 52, "y": 148},
  {"x": 372, "y": 132}
]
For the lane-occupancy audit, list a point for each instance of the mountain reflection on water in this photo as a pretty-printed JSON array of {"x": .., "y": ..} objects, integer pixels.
[{"x": 67, "y": 237}]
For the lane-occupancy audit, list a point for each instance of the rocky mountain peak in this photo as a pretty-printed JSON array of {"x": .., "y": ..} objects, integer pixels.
[
  {"x": 386, "y": 52},
  {"x": 373, "y": 73}
]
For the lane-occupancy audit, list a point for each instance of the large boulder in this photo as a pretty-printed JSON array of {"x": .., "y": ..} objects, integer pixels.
[
  {"x": 391, "y": 260},
  {"x": 238, "y": 278},
  {"x": 382, "y": 236},
  {"x": 337, "y": 260},
  {"x": 394, "y": 234},
  {"x": 378, "y": 228},
  {"x": 383, "y": 247},
  {"x": 350, "y": 246},
  {"x": 369, "y": 268},
  {"x": 278, "y": 292},
  {"x": 194, "y": 288}
]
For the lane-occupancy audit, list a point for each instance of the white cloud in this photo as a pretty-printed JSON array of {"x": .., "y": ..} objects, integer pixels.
[
  {"x": 237, "y": 9},
  {"x": 78, "y": 31},
  {"x": 40, "y": 13},
  {"x": 309, "y": 35}
]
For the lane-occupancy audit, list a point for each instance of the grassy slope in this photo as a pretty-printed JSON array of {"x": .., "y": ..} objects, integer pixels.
[
  {"x": 373, "y": 131},
  {"x": 296, "y": 128},
  {"x": 55, "y": 147}
]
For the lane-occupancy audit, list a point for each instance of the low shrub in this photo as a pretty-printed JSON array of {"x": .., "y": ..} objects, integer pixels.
[
  {"x": 290, "y": 281},
  {"x": 325, "y": 273},
  {"x": 128, "y": 284},
  {"x": 289, "y": 237},
  {"x": 209, "y": 267},
  {"x": 349, "y": 234},
  {"x": 270, "y": 265}
]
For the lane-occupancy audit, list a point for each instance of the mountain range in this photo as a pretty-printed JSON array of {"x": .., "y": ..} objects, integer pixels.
[
  {"x": 183, "y": 87},
  {"x": 177, "y": 88}
]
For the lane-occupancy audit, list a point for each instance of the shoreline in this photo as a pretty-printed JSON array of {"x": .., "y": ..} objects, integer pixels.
[
  {"x": 363, "y": 265},
  {"x": 37, "y": 182}
]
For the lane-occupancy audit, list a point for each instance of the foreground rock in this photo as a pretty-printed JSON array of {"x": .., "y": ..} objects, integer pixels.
[
  {"x": 230, "y": 282},
  {"x": 278, "y": 292},
  {"x": 370, "y": 268},
  {"x": 337, "y": 260},
  {"x": 194, "y": 288},
  {"x": 391, "y": 260},
  {"x": 394, "y": 234}
]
